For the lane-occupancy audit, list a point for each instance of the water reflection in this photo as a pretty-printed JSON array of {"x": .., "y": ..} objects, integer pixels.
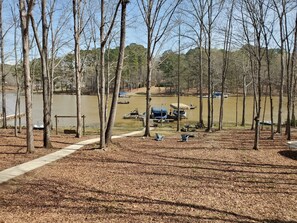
[{"x": 66, "y": 105}]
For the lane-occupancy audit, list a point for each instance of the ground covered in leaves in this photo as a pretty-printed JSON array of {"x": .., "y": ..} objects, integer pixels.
[{"x": 215, "y": 177}]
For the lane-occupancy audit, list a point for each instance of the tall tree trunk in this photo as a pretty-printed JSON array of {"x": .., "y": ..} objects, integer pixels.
[
  {"x": 269, "y": 83},
  {"x": 17, "y": 114},
  {"x": 259, "y": 88},
  {"x": 157, "y": 26},
  {"x": 118, "y": 75},
  {"x": 201, "y": 122},
  {"x": 290, "y": 74},
  {"x": 3, "y": 75},
  {"x": 281, "y": 89},
  {"x": 293, "y": 70},
  {"x": 209, "y": 85},
  {"x": 107, "y": 89},
  {"x": 258, "y": 107},
  {"x": 148, "y": 77},
  {"x": 77, "y": 31},
  {"x": 45, "y": 80},
  {"x": 51, "y": 68},
  {"x": 178, "y": 83},
  {"x": 25, "y": 19},
  {"x": 101, "y": 83},
  {"x": 227, "y": 45},
  {"x": 148, "y": 93},
  {"x": 102, "y": 79},
  {"x": 43, "y": 51},
  {"x": 254, "y": 94},
  {"x": 244, "y": 88}
]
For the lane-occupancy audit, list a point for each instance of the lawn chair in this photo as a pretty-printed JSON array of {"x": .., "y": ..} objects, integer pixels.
[
  {"x": 184, "y": 137},
  {"x": 159, "y": 137}
]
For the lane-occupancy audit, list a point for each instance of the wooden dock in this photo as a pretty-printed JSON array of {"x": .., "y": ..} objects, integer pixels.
[{"x": 11, "y": 117}]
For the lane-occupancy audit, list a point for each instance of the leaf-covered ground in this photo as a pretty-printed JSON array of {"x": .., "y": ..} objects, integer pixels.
[{"x": 215, "y": 177}]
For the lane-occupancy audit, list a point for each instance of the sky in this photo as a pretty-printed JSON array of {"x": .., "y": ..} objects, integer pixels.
[{"x": 136, "y": 30}]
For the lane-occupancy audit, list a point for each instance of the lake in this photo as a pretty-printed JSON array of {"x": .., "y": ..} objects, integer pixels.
[{"x": 65, "y": 105}]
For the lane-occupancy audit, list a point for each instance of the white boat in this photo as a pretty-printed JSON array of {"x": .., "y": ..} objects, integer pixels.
[
  {"x": 38, "y": 126},
  {"x": 265, "y": 122},
  {"x": 215, "y": 95},
  {"x": 182, "y": 113},
  {"x": 218, "y": 94},
  {"x": 133, "y": 115}
]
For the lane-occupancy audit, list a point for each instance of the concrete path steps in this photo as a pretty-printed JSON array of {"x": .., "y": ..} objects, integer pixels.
[{"x": 18, "y": 170}]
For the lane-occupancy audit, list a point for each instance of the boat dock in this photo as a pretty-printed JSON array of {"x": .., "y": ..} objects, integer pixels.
[{"x": 11, "y": 117}]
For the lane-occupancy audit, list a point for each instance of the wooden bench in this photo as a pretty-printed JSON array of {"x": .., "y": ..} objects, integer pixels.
[{"x": 69, "y": 131}]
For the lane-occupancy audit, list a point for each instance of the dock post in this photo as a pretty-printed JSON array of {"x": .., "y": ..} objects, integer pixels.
[
  {"x": 84, "y": 128},
  {"x": 56, "y": 117}
]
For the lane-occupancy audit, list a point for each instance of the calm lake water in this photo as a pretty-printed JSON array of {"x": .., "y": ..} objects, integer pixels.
[{"x": 65, "y": 105}]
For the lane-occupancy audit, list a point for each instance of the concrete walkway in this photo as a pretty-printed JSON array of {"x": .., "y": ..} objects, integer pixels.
[{"x": 13, "y": 172}]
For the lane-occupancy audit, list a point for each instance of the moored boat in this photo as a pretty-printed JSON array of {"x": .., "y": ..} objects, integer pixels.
[
  {"x": 133, "y": 115},
  {"x": 182, "y": 113},
  {"x": 123, "y": 102},
  {"x": 158, "y": 113}
]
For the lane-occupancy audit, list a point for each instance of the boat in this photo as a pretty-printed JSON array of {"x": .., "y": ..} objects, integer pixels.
[
  {"x": 123, "y": 102},
  {"x": 38, "y": 126},
  {"x": 182, "y": 113},
  {"x": 265, "y": 122},
  {"x": 158, "y": 113},
  {"x": 218, "y": 94},
  {"x": 123, "y": 94},
  {"x": 192, "y": 106},
  {"x": 133, "y": 115}
]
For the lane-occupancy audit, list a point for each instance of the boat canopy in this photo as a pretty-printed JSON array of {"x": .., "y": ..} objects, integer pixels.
[
  {"x": 159, "y": 110},
  {"x": 159, "y": 113},
  {"x": 181, "y": 106}
]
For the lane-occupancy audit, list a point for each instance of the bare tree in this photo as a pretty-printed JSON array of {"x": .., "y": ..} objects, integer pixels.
[
  {"x": 226, "y": 54},
  {"x": 257, "y": 13},
  {"x": 43, "y": 51},
  {"x": 281, "y": 11},
  {"x": 293, "y": 72},
  {"x": 289, "y": 72},
  {"x": 157, "y": 16},
  {"x": 56, "y": 29},
  {"x": 17, "y": 115},
  {"x": 2, "y": 60},
  {"x": 25, "y": 15},
  {"x": 77, "y": 27},
  {"x": 197, "y": 12},
  {"x": 101, "y": 74},
  {"x": 101, "y": 79},
  {"x": 244, "y": 89},
  {"x": 266, "y": 32},
  {"x": 118, "y": 74},
  {"x": 213, "y": 11},
  {"x": 2, "y": 68}
]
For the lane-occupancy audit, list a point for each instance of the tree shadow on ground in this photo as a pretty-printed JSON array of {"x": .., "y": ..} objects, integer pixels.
[
  {"x": 94, "y": 201},
  {"x": 289, "y": 154}
]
